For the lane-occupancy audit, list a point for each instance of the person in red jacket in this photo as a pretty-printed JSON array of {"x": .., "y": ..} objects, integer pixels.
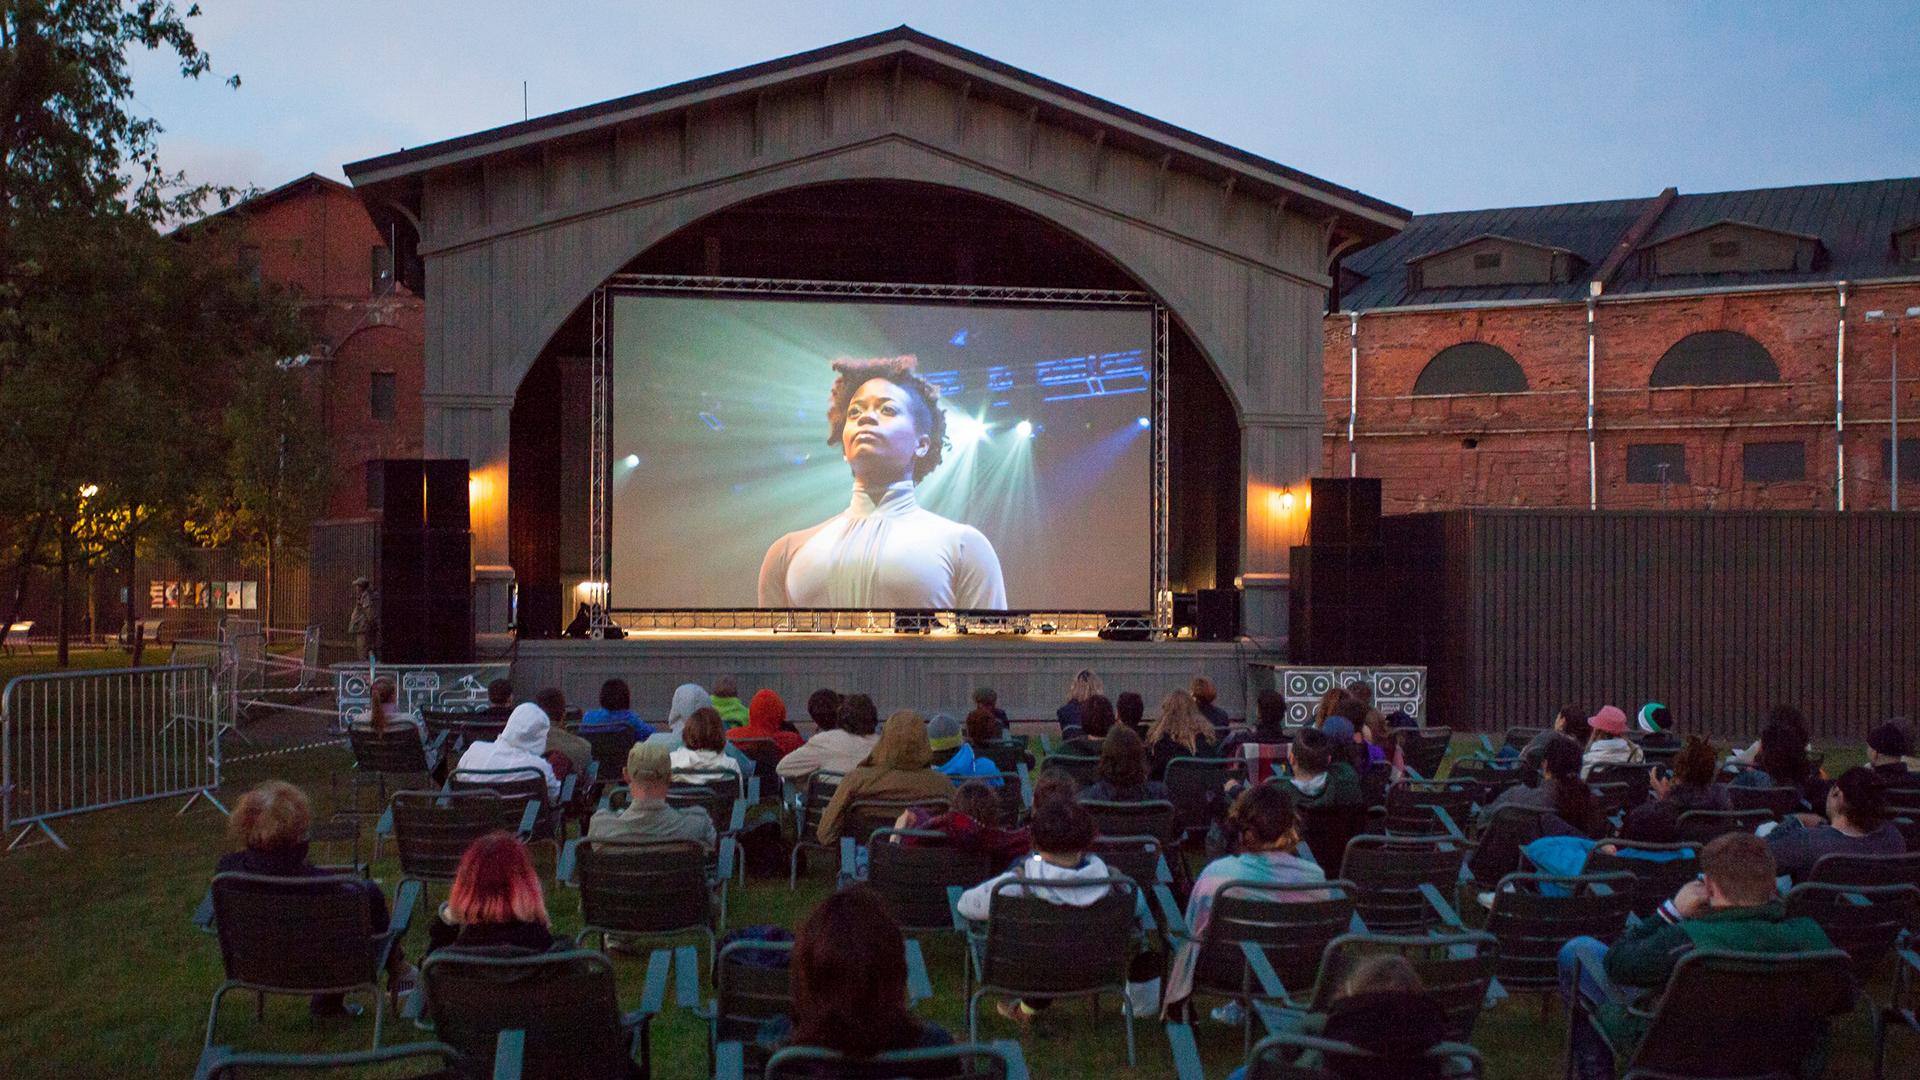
[{"x": 765, "y": 715}]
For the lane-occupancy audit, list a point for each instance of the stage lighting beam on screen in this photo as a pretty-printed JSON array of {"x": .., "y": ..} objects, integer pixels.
[
  {"x": 631, "y": 461},
  {"x": 1023, "y": 429},
  {"x": 1144, "y": 422},
  {"x": 964, "y": 432}
]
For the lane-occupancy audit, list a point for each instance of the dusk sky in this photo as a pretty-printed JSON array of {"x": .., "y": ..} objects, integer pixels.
[{"x": 1430, "y": 106}]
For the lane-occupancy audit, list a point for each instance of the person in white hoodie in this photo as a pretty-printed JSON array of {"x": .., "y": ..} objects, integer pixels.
[
  {"x": 1060, "y": 871},
  {"x": 836, "y": 750},
  {"x": 519, "y": 746}
]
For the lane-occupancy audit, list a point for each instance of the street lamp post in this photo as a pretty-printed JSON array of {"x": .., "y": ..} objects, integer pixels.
[{"x": 1893, "y": 320}]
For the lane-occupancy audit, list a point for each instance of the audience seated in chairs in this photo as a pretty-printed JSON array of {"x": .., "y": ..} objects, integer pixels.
[
  {"x": 1690, "y": 787},
  {"x": 1130, "y": 709},
  {"x": 900, "y": 767},
  {"x": 981, "y": 728},
  {"x": 500, "y": 701},
  {"x": 381, "y": 715},
  {"x": 1319, "y": 781},
  {"x": 562, "y": 745},
  {"x": 1856, "y": 824},
  {"x": 495, "y": 901},
  {"x": 986, "y": 697},
  {"x": 1204, "y": 693},
  {"x": 1097, "y": 717},
  {"x": 1062, "y": 831},
  {"x": 1383, "y": 1007},
  {"x": 1265, "y": 744},
  {"x": 1265, "y": 832},
  {"x": 1085, "y": 684},
  {"x": 840, "y": 748},
  {"x": 972, "y": 823},
  {"x": 767, "y": 719},
  {"x": 1359, "y": 730},
  {"x": 269, "y": 826},
  {"x": 1608, "y": 743},
  {"x": 1181, "y": 731},
  {"x": 849, "y": 971},
  {"x": 616, "y": 710},
  {"x": 1655, "y": 722},
  {"x": 703, "y": 745},
  {"x": 647, "y": 816},
  {"x": 1887, "y": 748},
  {"x": 1560, "y": 791},
  {"x": 1569, "y": 723},
  {"x": 1734, "y": 906},
  {"x": 522, "y": 745},
  {"x": 687, "y": 697},
  {"x": 1779, "y": 759},
  {"x": 1123, "y": 771}
]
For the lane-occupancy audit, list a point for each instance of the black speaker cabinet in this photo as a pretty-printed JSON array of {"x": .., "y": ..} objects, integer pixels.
[
  {"x": 429, "y": 494},
  {"x": 426, "y": 563},
  {"x": 1217, "y": 615},
  {"x": 1344, "y": 511}
]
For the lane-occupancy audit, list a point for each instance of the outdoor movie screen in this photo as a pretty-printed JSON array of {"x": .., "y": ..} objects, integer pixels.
[{"x": 811, "y": 453}]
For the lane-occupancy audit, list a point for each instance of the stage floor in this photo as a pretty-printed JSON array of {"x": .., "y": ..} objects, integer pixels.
[{"x": 930, "y": 673}]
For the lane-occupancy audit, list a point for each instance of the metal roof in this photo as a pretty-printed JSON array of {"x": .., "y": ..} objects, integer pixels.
[{"x": 1854, "y": 222}]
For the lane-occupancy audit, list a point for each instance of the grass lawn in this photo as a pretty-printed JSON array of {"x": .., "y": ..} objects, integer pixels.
[{"x": 108, "y": 976}]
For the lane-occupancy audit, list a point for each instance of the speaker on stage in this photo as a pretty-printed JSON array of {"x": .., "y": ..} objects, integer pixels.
[
  {"x": 1217, "y": 615},
  {"x": 426, "y": 563},
  {"x": 1186, "y": 613},
  {"x": 1343, "y": 510}
]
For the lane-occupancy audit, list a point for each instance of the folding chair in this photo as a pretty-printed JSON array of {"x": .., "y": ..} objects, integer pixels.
[
  {"x": 1457, "y": 969},
  {"x": 1700, "y": 826},
  {"x": 1534, "y": 915},
  {"x": 1658, "y": 869},
  {"x": 1778, "y": 802},
  {"x": 1142, "y": 858},
  {"x": 1866, "y": 921},
  {"x": 522, "y": 783},
  {"x": 1000, "y": 1060},
  {"x": 915, "y": 877},
  {"x": 864, "y": 817},
  {"x": 1424, "y": 749},
  {"x": 1493, "y": 776},
  {"x": 431, "y": 830},
  {"x": 811, "y": 805},
  {"x": 565, "y": 1003},
  {"x": 1431, "y": 807},
  {"x": 1148, "y": 817},
  {"x": 1406, "y": 884},
  {"x": 1084, "y": 770},
  {"x": 648, "y": 890},
  {"x": 1295, "y": 1056},
  {"x": 1194, "y": 784}
]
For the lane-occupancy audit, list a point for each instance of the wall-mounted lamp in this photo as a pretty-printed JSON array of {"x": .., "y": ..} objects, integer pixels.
[{"x": 1286, "y": 502}]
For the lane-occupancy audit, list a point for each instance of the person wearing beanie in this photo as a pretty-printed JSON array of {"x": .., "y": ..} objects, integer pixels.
[
  {"x": 766, "y": 717},
  {"x": 982, "y": 728},
  {"x": 1887, "y": 748},
  {"x": 1609, "y": 744},
  {"x": 943, "y": 733},
  {"x": 1656, "y": 727}
]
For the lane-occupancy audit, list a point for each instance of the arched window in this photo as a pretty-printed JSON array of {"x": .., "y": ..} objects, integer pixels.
[
  {"x": 1714, "y": 358},
  {"x": 1471, "y": 367}
]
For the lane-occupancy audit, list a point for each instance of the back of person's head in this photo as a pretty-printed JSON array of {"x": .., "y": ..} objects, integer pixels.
[
  {"x": 1572, "y": 799},
  {"x": 823, "y": 706},
  {"x": 1382, "y": 973},
  {"x": 1741, "y": 866},
  {"x": 704, "y": 730},
  {"x": 1361, "y": 692},
  {"x": 982, "y": 726},
  {"x": 1787, "y": 714},
  {"x": 1271, "y": 708},
  {"x": 858, "y": 715},
  {"x": 1312, "y": 752},
  {"x": 850, "y": 977},
  {"x": 272, "y": 817},
  {"x": 1892, "y": 739},
  {"x": 726, "y": 686},
  {"x": 1263, "y": 818},
  {"x": 553, "y": 703},
  {"x": 1061, "y": 827},
  {"x": 1573, "y": 724},
  {"x": 1130, "y": 708},
  {"x": 1862, "y": 798},
  {"x": 1096, "y": 717},
  {"x": 496, "y": 883},
  {"x": 1783, "y": 751},
  {"x": 976, "y": 800},
  {"x": 1054, "y": 786},
  {"x": 380, "y": 696},
  {"x": 986, "y": 695},
  {"x": 1123, "y": 758},
  {"x": 1696, "y": 763},
  {"x": 1354, "y": 710},
  {"x": 1203, "y": 690},
  {"x": 500, "y": 692},
  {"x": 1085, "y": 683},
  {"x": 1562, "y": 760},
  {"x": 1180, "y": 721},
  {"x": 615, "y": 695}
]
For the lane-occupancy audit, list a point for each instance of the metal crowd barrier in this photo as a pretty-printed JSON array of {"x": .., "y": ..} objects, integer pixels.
[{"x": 75, "y": 741}]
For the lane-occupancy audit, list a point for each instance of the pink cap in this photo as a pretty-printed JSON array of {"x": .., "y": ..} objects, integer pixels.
[{"x": 1609, "y": 719}]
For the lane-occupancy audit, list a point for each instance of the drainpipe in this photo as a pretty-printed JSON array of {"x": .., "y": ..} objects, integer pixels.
[
  {"x": 1840, "y": 406},
  {"x": 1353, "y": 390},
  {"x": 1593, "y": 454}
]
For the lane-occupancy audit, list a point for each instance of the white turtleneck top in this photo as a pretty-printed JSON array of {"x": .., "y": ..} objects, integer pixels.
[{"x": 885, "y": 554}]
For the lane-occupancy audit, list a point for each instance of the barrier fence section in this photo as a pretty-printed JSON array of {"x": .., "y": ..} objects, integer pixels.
[{"x": 75, "y": 741}]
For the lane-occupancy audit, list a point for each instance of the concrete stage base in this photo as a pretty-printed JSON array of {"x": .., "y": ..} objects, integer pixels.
[{"x": 936, "y": 673}]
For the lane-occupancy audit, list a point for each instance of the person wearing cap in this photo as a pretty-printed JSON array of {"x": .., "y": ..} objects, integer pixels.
[
  {"x": 1609, "y": 744},
  {"x": 363, "y": 623},
  {"x": 647, "y": 817},
  {"x": 1887, "y": 748},
  {"x": 1656, "y": 727}
]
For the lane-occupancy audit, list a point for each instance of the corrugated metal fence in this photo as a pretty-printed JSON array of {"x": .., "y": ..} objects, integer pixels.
[
  {"x": 1719, "y": 616},
  {"x": 74, "y": 741}
]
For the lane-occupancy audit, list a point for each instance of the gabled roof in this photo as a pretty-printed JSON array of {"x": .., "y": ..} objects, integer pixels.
[
  {"x": 1373, "y": 216},
  {"x": 1723, "y": 222},
  {"x": 1491, "y": 236},
  {"x": 254, "y": 203}
]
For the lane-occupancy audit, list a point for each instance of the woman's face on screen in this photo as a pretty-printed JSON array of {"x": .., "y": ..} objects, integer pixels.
[{"x": 880, "y": 438}]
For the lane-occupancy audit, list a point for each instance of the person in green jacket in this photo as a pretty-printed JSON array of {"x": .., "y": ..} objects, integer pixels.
[
  {"x": 1733, "y": 906},
  {"x": 1319, "y": 779},
  {"x": 726, "y": 702}
]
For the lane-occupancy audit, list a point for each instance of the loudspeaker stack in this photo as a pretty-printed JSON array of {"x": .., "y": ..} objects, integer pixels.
[
  {"x": 1338, "y": 600},
  {"x": 426, "y": 563}
]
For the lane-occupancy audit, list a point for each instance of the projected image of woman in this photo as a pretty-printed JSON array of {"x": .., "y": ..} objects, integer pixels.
[{"x": 884, "y": 550}]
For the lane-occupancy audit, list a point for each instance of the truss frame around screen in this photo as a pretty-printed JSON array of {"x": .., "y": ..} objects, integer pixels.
[{"x": 600, "y": 453}]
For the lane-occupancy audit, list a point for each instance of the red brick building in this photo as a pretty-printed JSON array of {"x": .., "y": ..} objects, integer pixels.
[
  {"x": 314, "y": 235},
  {"x": 1721, "y": 343}
]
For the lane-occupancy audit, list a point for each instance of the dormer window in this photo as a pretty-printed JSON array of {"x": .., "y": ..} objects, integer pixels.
[
  {"x": 1487, "y": 260},
  {"x": 1493, "y": 260},
  {"x": 1724, "y": 249},
  {"x": 1730, "y": 247},
  {"x": 1906, "y": 243}
]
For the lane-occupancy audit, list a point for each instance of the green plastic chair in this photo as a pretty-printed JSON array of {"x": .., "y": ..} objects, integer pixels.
[
  {"x": 1700, "y": 826},
  {"x": 410, "y": 1061},
  {"x": 1865, "y": 921},
  {"x": 1147, "y": 817},
  {"x": 1533, "y": 915},
  {"x": 649, "y": 890},
  {"x": 1406, "y": 883},
  {"x": 1457, "y": 968},
  {"x": 1431, "y": 807},
  {"x": 1654, "y": 882},
  {"x": 1296, "y": 1056},
  {"x": 1425, "y": 748},
  {"x": 915, "y": 878},
  {"x": 810, "y": 805},
  {"x": 564, "y": 1002},
  {"x": 999, "y": 1060},
  {"x": 1083, "y": 769},
  {"x": 431, "y": 830}
]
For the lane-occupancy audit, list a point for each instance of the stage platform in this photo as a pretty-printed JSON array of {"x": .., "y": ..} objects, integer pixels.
[{"x": 929, "y": 673}]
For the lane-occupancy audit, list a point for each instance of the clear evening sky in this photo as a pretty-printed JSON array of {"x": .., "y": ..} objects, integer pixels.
[{"x": 1432, "y": 106}]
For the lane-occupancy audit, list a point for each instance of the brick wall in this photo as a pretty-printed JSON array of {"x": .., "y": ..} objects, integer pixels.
[{"x": 1530, "y": 449}]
